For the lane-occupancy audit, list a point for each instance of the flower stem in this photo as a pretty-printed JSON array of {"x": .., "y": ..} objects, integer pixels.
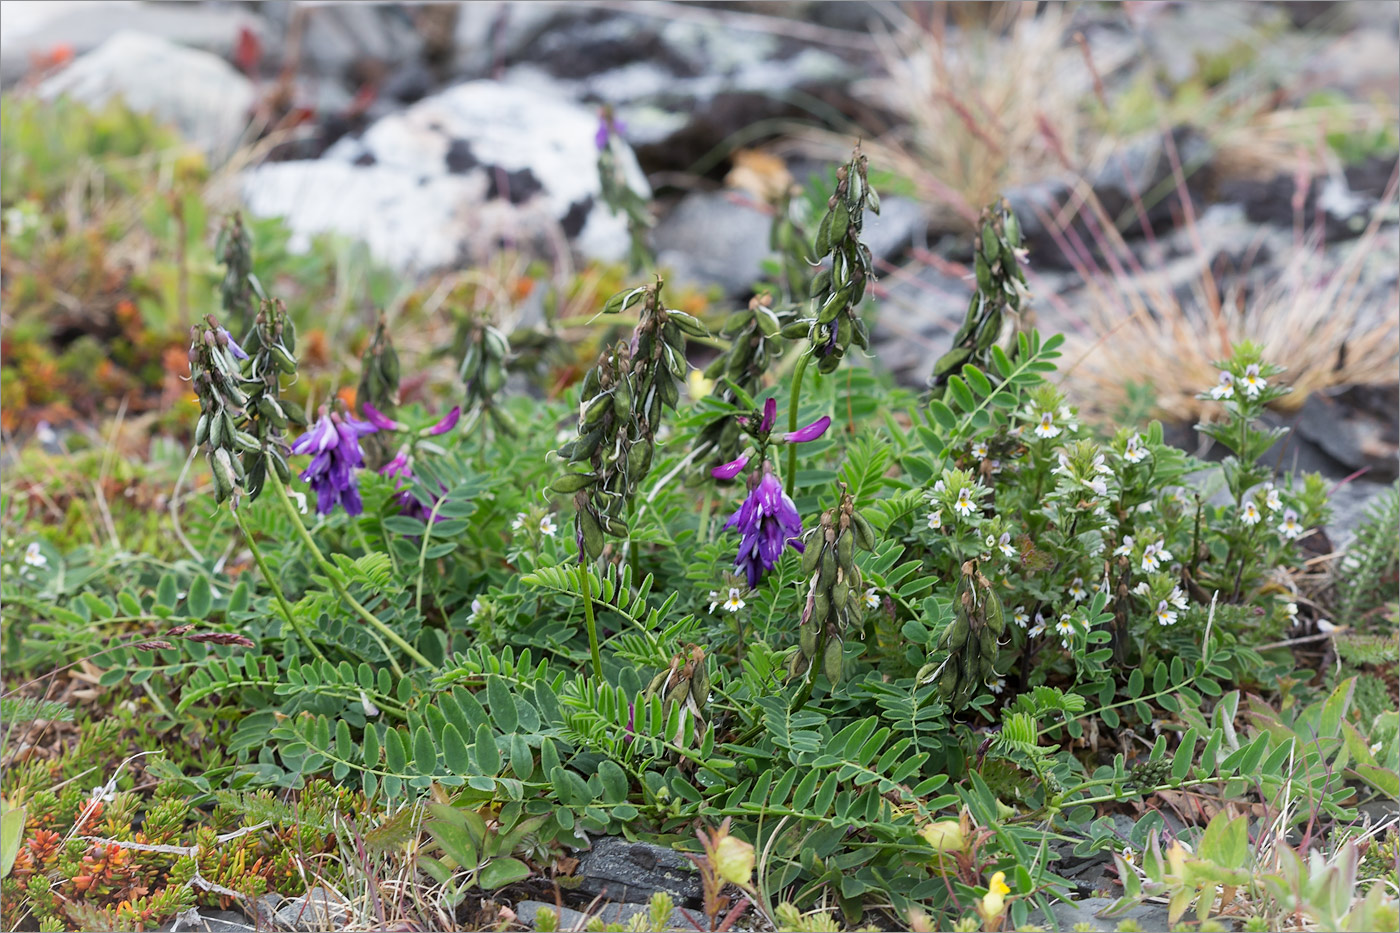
[
  {"x": 287, "y": 613},
  {"x": 800, "y": 370},
  {"x": 333, "y": 575},
  {"x": 586, "y": 582}
]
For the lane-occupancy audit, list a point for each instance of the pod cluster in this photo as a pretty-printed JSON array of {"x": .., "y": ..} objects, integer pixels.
[
  {"x": 685, "y": 682},
  {"x": 485, "y": 353},
  {"x": 754, "y": 343},
  {"x": 1001, "y": 290},
  {"x": 235, "y": 251},
  {"x": 620, "y": 409},
  {"x": 966, "y": 654},
  {"x": 835, "y": 589},
  {"x": 379, "y": 385},
  {"x": 242, "y": 417},
  {"x": 833, "y": 321}
]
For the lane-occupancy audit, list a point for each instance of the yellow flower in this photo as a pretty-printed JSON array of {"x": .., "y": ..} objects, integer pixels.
[
  {"x": 945, "y": 836},
  {"x": 995, "y": 900}
]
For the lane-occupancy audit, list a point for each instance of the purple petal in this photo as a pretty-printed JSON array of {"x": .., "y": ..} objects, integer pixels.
[
  {"x": 600, "y": 139},
  {"x": 770, "y": 415},
  {"x": 378, "y": 419},
  {"x": 233, "y": 347},
  {"x": 448, "y": 422},
  {"x": 810, "y": 433},
  {"x": 730, "y": 469}
]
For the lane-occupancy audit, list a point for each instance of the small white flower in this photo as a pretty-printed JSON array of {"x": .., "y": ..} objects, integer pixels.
[
  {"x": 979, "y": 450},
  {"x": 370, "y": 709},
  {"x": 734, "y": 603},
  {"x": 1292, "y": 610},
  {"x": 935, "y": 520},
  {"x": 1271, "y": 499},
  {"x": 964, "y": 505},
  {"x": 1289, "y": 527},
  {"x": 999, "y": 685},
  {"x": 476, "y": 609},
  {"x": 991, "y": 542},
  {"x": 1065, "y": 628},
  {"x": 939, "y": 486},
  {"x": 1099, "y": 487},
  {"x": 1126, "y": 548},
  {"x": 714, "y": 600},
  {"x": 1100, "y": 466},
  {"x": 1165, "y": 614},
  {"x": 1135, "y": 453},
  {"x": 1039, "y": 628},
  {"x": 519, "y": 521},
  {"x": 872, "y": 599},
  {"x": 104, "y": 792},
  {"x": 1005, "y": 546},
  {"x": 1063, "y": 459},
  {"x": 1154, "y": 555},
  {"x": 1020, "y": 617},
  {"x": 1129, "y": 858},
  {"x": 1325, "y": 626},
  {"x": 33, "y": 557},
  {"x": 547, "y": 526},
  {"x": 1253, "y": 382},
  {"x": 1249, "y": 514},
  {"x": 1076, "y": 589},
  {"x": 1142, "y": 589},
  {"x": 1225, "y": 388},
  {"x": 1374, "y": 747},
  {"x": 1177, "y": 598},
  {"x": 1144, "y": 508},
  {"x": 1046, "y": 428}
]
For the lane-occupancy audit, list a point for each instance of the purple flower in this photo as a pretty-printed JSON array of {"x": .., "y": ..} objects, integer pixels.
[
  {"x": 401, "y": 468},
  {"x": 333, "y": 443},
  {"x": 810, "y": 433},
  {"x": 731, "y": 469},
  {"x": 608, "y": 127},
  {"x": 448, "y": 422},
  {"x": 770, "y": 416},
  {"x": 379, "y": 419},
  {"x": 767, "y": 522},
  {"x": 226, "y": 338}
]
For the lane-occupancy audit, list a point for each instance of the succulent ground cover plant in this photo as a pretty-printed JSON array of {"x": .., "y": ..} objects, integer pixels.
[{"x": 872, "y": 658}]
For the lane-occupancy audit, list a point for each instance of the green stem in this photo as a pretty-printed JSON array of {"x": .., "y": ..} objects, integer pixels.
[
  {"x": 585, "y": 581},
  {"x": 798, "y": 372},
  {"x": 333, "y": 575},
  {"x": 276, "y": 588}
]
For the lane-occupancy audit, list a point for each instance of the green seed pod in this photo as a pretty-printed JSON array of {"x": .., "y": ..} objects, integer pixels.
[
  {"x": 845, "y": 551},
  {"x": 956, "y": 634},
  {"x": 668, "y": 389},
  {"x": 587, "y": 444},
  {"x": 872, "y": 201},
  {"x": 860, "y": 334},
  {"x": 495, "y": 344},
  {"x": 493, "y": 377},
  {"x": 573, "y": 482},
  {"x": 834, "y": 663},
  {"x": 639, "y": 460},
  {"x": 823, "y": 243},
  {"x": 953, "y": 359},
  {"x": 948, "y": 681},
  {"x": 796, "y": 330},
  {"x": 843, "y": 330},
  {"x": 591, "y": 385},
  {"x": 622, "y": 398},
  {"x": 688, "y": 323},
  {"x": 717, "y": 366},
  {"x": 201, "y": 429},
  {"x": 833, "y": 305},
  {"x": 996, "y": 615},
  {"x": 810, "y": 556},
  {"x": 225, "y": 471},
  {"x": 616, "y": 526},
  {"x": 595, "y": 408},
  {"x": 768, "y": 323},
  {"x": 796, "y": 664},
  {"x": 864, "y": 532},
  {"x": 828, "y": 565},
  {"x": 279, "y": 465},
  {"x": 807, "y": 640},
  {"x": 821, "y": 608},
  {"x": 283, "y": 359},
  {"x": 987, "y": 644},
  {"x": 840, "y": 593},
  {"x": 700, "y": 685},
  {"x": 990, "y": 331},
  {"x": 592, "y": 533},
  {"x": 840, "y": 223},
  {"x": 984, "y": 274},
  {"x": 991, "y": 243},
  {"x": 245, "y": 442}
]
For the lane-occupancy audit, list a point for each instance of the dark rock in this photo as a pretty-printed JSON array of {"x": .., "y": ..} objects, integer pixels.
[
  {"x": 1084, "y": 915},
  {"x": 1344, "y": 213},
  {"x": 410, "y": 82},
  {"x": 618, "y": 870},
  {"x": 1355, "y": 426},
  {"x": 569, "y": 919},
  {"x": 715, "y": 238}
]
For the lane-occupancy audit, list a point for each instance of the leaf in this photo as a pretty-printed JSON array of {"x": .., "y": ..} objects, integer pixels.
[
  {"x": 456, "y": 842},
  {"x": 167, "y": 593},
  {"x": 942, "y": 414},
  {"x": 502, "y": 871},
  {"x": 454, "y": 751},
  {"x": 1185, "y": 754},
  {"x": 199, "y": 599},
  {"x": 1226, "y": 841},
  {"x": 961, "y": 393},
  {"x": 503, "y": 712},
  {"x": 488, "y": 756},
  {"x": 11, "y": 835}
]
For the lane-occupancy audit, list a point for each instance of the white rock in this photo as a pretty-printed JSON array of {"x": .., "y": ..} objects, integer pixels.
[
  {"x": 199, "y": 93},
  {"x": 450, "y": 177}
]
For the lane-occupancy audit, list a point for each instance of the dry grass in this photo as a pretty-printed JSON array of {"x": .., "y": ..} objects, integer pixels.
[{"x": 1315, "y": 315}]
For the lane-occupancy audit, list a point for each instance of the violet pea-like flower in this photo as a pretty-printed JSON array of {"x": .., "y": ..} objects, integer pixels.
[
  {"x": 809, "y": 433},
  {"x": 731, "y": 469},
  {"x": 401, "y": 469},
  {"x": 333, "y": 443},
  {"x": 380, "y": 421},
  {"x": 448, "y": 422},
  {"x": 226, "y": 338},
  {"x": 767, "y": 522}
]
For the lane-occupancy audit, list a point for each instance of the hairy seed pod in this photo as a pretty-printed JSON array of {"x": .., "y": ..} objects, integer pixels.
[
  {"x": 864, "y": 532},
  {"x": 201, "y": 430},
  {"x": 807, "y": 640},
  {"x": 573, "y": 482},
  {"x": 840, "y": 593},
  {"x": 956, "y": 634},
  {"x": 996, "y": 615},
  {"x": 592, "y": 533},
  {"x": 840, "y": 223},
  {"x": 687, "y": 323},
  {"x": 833, "y": 663},
  {"x": 821, "y": 608},
  {"x": 595, "y": 408},
  {"x": 797, "y": 329},
  {"x": 810, "y": 556}
]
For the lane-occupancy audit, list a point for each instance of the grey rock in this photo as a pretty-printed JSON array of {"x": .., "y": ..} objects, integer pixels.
[
  {"x": 317, "y": 909},
  {"x": 338, "y": 37},
  {"x": 1356, "y": 426},
  {"x": 29, "y": 30},
  {"x": 570, "y": 919},
  {"x": 209, "y": 921},
  {"x": 718, "y": 238},
  {"x": 919, "y": 310},
  {"x": 1151, "y": 917},
  {"x": 618, "y": 870},
  {"x": 452, "y": 177},
  {"x": 201, "y": 94},
  {"x": 1351, "y": 504},
  {"x": 901, "y": 223}
]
